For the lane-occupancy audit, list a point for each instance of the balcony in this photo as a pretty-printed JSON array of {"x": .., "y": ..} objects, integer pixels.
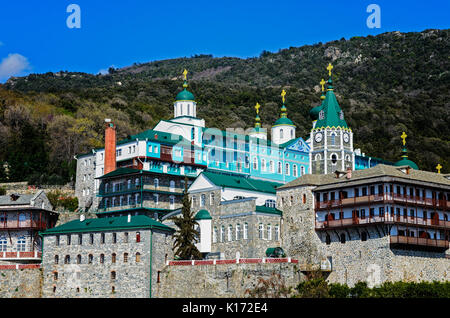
[
  {"x": 385, "y": 198},
  {"x": 424, "y": 243},
  {"x": 387, "y": 219},
  {"x": 27, "y": 224},
  {"x": 23, "y": 256}
]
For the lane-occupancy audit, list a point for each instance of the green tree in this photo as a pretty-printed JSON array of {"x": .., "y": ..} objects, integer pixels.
[{"x": 186, "y": 235}]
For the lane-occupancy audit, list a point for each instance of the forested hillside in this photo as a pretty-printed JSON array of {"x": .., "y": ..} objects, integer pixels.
[{"x": 385, "y": 84}]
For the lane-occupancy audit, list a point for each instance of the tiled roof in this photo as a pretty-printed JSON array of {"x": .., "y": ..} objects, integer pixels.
[
  {"x": 380, "y": 170},
  {"x": 21, "y": 200},
  {"x": 240, "y": 182},
  {"x": 108, "y": 224}
]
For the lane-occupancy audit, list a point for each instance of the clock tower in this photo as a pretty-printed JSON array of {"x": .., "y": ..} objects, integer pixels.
[{"x": 331, "y": 138}]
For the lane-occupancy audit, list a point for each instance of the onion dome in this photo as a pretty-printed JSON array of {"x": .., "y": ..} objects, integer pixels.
[
  {"x": 185, "y": 94},
  {"x": 203, "y": 215},
  {"x": 283, "y": 120},
  {"x": 405, "y": 161}
]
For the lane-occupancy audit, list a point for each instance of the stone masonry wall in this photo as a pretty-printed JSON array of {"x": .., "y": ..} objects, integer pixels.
[
  {"x": 221, "y": 281},
  {"x": 20, "y": 283},
  {"x": 373, "y": 261},
  {"x": 95, "y": 279}
]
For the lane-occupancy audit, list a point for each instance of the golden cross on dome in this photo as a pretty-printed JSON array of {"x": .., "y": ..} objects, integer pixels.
[
  {"x": 439, "y": 167},
  {"x": 322, "y": 82},
  {"x": 403, "y": 136},
  {"x": 283, "y": 94},
  {"x": 257, "y": 108},
  {"x": 329, "y": 68},
  {"x": 185, "y": 74}
]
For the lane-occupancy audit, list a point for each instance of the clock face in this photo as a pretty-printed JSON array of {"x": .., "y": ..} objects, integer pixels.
[
  {"x": 318, "y": 137},
  {"x": 346, "y": 137}
]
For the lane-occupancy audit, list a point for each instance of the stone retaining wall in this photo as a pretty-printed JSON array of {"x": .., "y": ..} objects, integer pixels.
[
  {"x": 221, "y": 281},
  {"x": 20, "y": 283}
]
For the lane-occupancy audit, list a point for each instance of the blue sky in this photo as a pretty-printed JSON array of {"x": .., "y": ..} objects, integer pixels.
[{"x": 34, "y": 37}]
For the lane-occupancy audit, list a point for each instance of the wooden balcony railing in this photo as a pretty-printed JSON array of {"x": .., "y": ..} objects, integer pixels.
[
  {"x": 27, "y": 224},
  {"x": 396, "y": 219},
  {"x": 418, "y": 241},
  {"x": 384, "y": 198}
]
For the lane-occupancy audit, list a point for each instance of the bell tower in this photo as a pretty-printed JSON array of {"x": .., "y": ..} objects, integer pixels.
[{"x": 331, "y": 138}]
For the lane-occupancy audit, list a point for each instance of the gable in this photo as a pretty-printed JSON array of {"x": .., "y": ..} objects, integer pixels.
[
  {"x": 299, "y": 145},
  {"x": 202, "y": 183}
]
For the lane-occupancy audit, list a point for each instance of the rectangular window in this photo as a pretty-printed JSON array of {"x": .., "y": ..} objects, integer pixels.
[
  {"x": 114, "y": 238},
  {"x": 125, "y": 237},
  {"x": 80, "y": 239}
]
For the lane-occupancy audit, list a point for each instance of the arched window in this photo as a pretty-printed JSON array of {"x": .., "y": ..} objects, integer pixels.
[
  {"x": 263, "y": 164},
  {"x": 281, "y": 134},
  {"x": 294, "y": 170},
  {"x": 261, "y": 231},
  {"x": 271, "y": 166},
  {"x": 302, "y": 169},
  {"x": 230, "y": 233},
  {"x": 113, "y": 275},
  {"x": 269, "y": 232},
  {"x": 318, "y": 157},
  {"x": 292, "y": 133},
  {"x": 172, "y": 185},
  {"x": 113, "y": 258},
  {"x": 203, "y": 200},
  {"x": 333, "y": 139},
  {"x": 78, "y": 259},
  {"x": 56, "y": 259},
  {"x": 90, "y": 258},
  {"x": 67, "y": 259},
  {"x": 333, "y": 159},
  {"x": 156, "y": 182},
  {"x": 102, "y": 238},
  {"x": 138, "y": 257},
  {"x": 343, "y": 238},
  {"x": 304, "y": 198},
  {"x": 125, "y": 257},
  {"x": 255, "y": 163},
  {"x": 129, "y": 184},
  {"x": 245, "y": 231},
  {"x": 288, "y": 169},
  {"x": 222, "y": 234},
  {"x": 211, "y": 198},
  {"x": 215, "y": 234},
  {"x": 102, "y": 258},
  {"x": 280, "y": 168},
  {"x": 138, "y": 237},
  {"x": 238, "y": 232},
  {"x": 277, "y": 232}
]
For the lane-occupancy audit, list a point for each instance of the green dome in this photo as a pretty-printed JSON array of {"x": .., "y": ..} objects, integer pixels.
[
  {"x": 314, "y": 113},
  {"x": 185, "y": 95},
  {"x": 203, "y": 215},
  {"x": 406, "y": 162},
  {"x": 283, "y": 121}
]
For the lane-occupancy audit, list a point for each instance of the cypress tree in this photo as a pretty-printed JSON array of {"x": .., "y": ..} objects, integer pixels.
[{"x": 186, "y": 235}]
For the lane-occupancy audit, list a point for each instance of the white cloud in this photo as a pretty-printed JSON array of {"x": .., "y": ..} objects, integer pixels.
[{"x": 12, "y": 65}]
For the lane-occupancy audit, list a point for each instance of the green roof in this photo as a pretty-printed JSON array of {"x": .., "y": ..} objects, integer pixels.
[
  {"x": 185, "y": 95},
  {"x": 406, "y": 162},
  {"x": 283, "y": 121},
  {"x": 120, "y": 172},
  {"x": 158, "y": 136},
  {"x": 265, "y": 209},
  {"x": 314, "y": 113},
  {"x": 203, "y": 215},
  {"x": 240, "y": 182},
  {"x": 333, "y": 115},
  {"x": 108, "y": 224}
]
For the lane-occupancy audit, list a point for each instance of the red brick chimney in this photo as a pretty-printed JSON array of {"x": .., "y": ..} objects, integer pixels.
[
  {"x": 110, "y": 146},
  {"x": 349, "y": 173}
]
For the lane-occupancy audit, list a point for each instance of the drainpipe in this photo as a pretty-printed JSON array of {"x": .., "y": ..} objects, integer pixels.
[{"x": 151, "y": 260}]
